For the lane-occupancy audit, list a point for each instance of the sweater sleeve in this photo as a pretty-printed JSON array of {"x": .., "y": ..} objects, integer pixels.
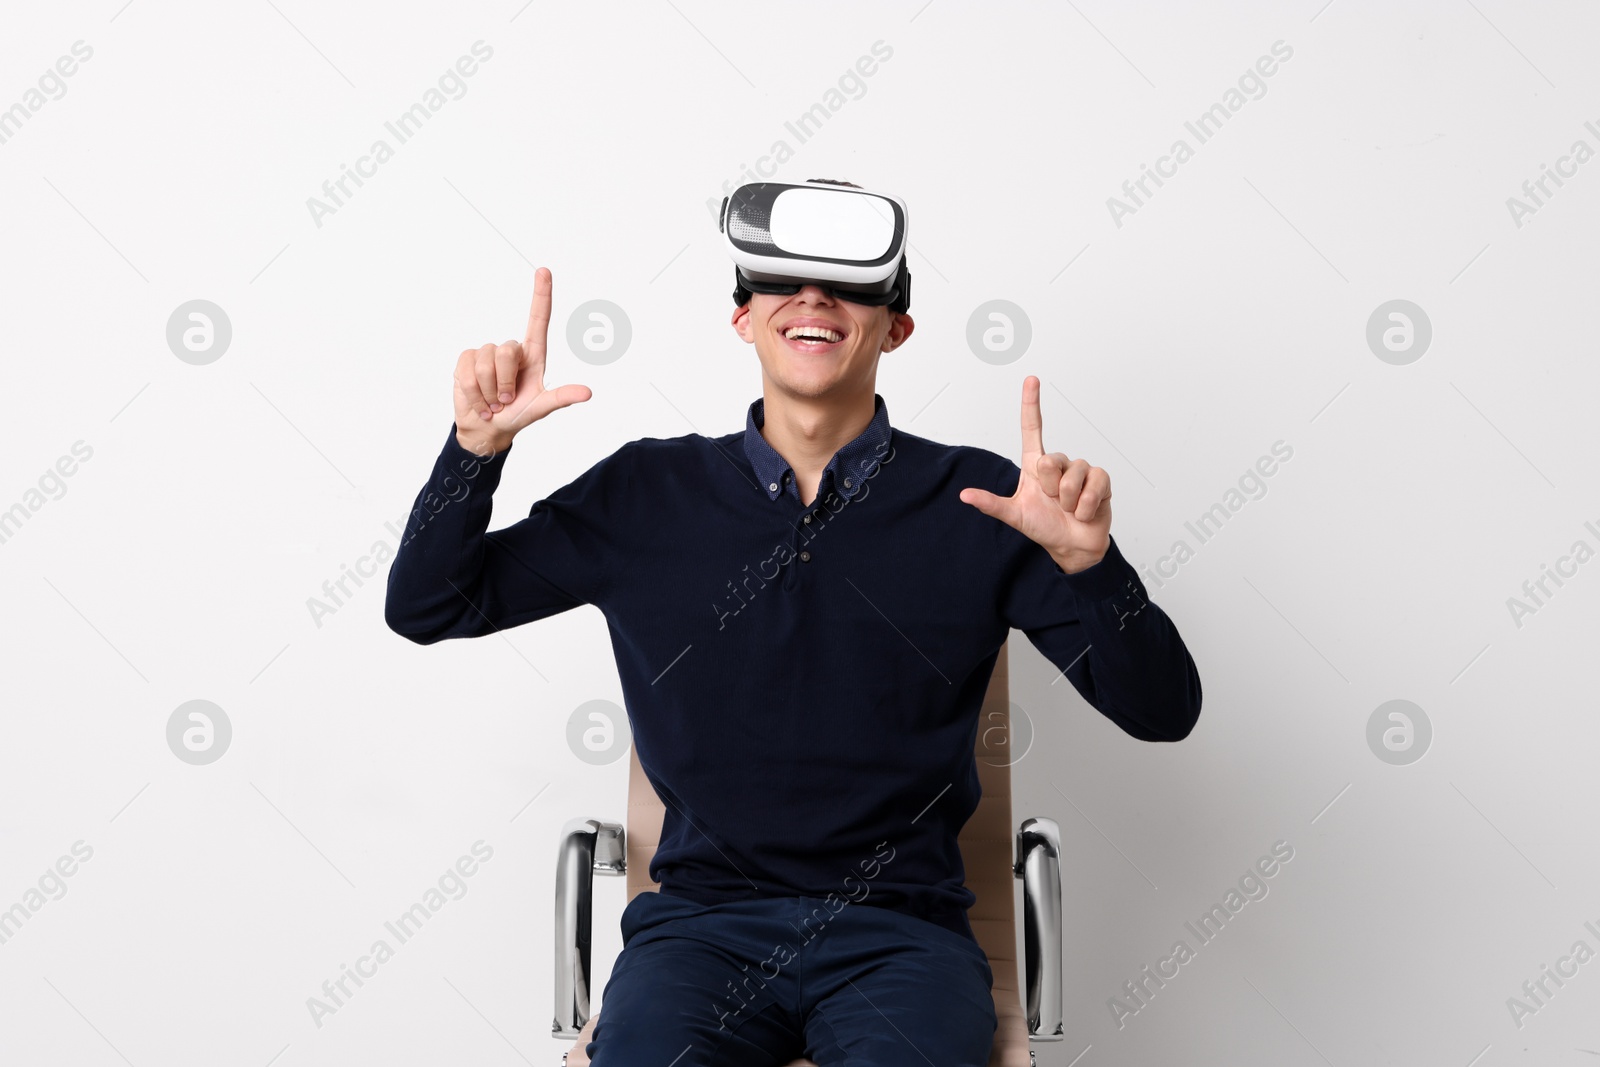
[
  {"x": 452, "y": 578},
  {"x": 1119, "y": 650}
]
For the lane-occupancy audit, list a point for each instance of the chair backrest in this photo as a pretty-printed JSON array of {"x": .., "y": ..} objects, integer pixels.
[{"x": 986, "y": 841}]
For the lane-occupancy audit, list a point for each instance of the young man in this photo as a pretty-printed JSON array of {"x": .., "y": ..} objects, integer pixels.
[{"x": 805, "y": 615}]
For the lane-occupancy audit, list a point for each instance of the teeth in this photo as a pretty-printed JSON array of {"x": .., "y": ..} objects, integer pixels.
[{"x": 814, "y": 331}]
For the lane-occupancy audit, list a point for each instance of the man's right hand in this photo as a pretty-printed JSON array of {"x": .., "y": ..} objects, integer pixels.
[{"x": 499, "y": 389}]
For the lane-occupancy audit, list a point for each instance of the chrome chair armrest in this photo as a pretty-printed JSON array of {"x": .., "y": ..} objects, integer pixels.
[
  {"x": 1039, "y": 866},
  {"x": 588, "y": 847}
]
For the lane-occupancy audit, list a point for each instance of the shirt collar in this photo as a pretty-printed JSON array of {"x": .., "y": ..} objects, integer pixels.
[{"x": 848, "y": 469}]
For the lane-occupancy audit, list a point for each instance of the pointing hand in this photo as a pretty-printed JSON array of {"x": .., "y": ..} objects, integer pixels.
[
  {"x": 500, "y": 390},
  {"x": 1063, "y": 504}
]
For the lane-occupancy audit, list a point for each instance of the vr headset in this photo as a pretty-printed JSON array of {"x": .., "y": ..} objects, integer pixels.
[{"x": 849, "y": 241}]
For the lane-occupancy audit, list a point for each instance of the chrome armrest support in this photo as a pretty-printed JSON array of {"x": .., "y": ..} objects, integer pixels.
[
  {"x": 588, "y": 847},
  {"x": 1039, "y": 866}
]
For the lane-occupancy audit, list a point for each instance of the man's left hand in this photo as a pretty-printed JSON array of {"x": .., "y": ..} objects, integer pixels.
[{"x": 1063, "y": 504}]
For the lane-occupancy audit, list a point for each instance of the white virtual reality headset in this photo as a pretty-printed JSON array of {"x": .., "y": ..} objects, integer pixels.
[{"x": 849, "y": 241}]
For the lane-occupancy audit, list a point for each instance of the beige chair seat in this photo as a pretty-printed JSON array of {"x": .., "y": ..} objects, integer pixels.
[{"x": 987, "y": 841}]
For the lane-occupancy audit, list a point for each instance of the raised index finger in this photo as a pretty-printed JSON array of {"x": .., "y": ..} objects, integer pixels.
[
  {"x": 1032, "y": 420},
  {"x": 538, "y": 316}
]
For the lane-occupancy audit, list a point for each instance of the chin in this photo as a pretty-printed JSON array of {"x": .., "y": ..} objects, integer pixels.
[{"x": 806, "y": 382}]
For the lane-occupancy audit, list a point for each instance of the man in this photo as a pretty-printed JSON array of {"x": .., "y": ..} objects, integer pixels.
[{"x": 805, "y": 615}]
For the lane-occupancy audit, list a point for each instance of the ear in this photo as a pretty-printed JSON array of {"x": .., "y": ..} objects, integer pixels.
[
  {"x": 742, "y": 325},
  {"x": 900, "y": 327}
]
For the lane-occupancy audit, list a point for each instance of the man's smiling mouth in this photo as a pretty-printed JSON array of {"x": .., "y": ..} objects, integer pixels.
[{"x": 813, "y": 333}]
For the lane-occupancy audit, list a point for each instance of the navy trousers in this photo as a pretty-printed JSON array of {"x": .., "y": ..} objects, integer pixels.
[{"x": 760, "y": 983}]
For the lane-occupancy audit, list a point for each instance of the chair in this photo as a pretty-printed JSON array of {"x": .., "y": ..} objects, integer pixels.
[{"x": 590, "y": 847}]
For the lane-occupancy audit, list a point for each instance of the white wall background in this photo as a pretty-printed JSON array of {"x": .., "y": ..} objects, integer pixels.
[{"x": 1228, "y": 313}]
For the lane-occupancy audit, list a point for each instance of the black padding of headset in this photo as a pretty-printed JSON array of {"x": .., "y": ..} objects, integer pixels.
[{"x": 901, "y": 304}]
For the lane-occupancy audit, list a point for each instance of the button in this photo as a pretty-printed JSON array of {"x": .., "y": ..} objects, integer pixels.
[
  {"x": 847, "y": 483},
  {"x": 805, "y": 557},
  {"x": 773, "y": 487},
  {"x": 808, "y": 518}
]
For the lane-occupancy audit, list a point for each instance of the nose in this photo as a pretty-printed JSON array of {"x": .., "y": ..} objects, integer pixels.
[{"x": 815, "y": 294}]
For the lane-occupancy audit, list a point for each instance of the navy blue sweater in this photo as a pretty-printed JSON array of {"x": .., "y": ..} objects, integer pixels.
[{"x": 803, "y": 683}]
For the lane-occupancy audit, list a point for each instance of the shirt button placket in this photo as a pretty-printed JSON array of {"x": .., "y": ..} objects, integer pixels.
[{"x": 804, "y": 553}]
